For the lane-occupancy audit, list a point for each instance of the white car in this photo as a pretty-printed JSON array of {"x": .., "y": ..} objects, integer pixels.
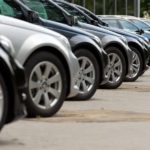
[{"x": 51, "y": 67}]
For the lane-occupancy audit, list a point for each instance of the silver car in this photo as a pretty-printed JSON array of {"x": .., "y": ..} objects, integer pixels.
[{"x": 50, "y": 65}]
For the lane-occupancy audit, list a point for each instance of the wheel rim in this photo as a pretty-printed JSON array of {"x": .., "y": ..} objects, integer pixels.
[
  {"x": 45, "y": 85},
  {"x": 135, "y": 65},
  {"x": 115, "y": 68},
  {"x": 1, "y": 103},
  {"x": 86, "y": 78}
]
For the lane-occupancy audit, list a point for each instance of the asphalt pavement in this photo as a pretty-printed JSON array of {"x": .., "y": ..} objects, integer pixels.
[{"x": 112, "y": 120}]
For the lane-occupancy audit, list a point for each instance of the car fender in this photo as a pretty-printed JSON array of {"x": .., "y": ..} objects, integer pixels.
[
  {"x": 110, "y": 39},
  {"x": 37, "y": 41},
  {"x": 81, "y": 40},
  {"x": 135, "y": 41},
  {"x": 5, "y": 60},
  {"x": 91, "y": 45}
]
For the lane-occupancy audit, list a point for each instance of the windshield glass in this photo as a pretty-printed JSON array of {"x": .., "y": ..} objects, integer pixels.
[
  {"x": 126, "y": 25},
  {"x": 141, "y": 24},
  {"x": 112, "y": 23}
]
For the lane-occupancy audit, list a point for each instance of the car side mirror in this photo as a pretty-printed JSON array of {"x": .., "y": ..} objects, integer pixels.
[
  {"x": 33, "y": 16},
  {"x": 72, "y": 20},
  {"x": 140, "y": 31}
]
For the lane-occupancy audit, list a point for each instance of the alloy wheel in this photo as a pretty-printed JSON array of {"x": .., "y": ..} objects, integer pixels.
[
  {"x": 135, "y": 65},
  {"x": 45, "y": 85},
  {"x": 86, "y": 75},
  {"x": 115, "y": 68}
]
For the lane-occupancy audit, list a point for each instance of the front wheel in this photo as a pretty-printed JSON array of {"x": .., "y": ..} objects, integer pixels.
[
  {"x": 3, "y": 102},
  {"x": 137, "y": 64},
  {"x": 47, "y": 84},
  {"x": 89, "y": 74},
  {"x": 117, "y": 68}
]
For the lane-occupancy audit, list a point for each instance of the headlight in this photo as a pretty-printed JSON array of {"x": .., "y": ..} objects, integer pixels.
[{"x": 7, "y": 45}]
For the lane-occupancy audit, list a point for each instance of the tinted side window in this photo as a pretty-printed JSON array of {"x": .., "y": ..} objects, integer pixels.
[
  {"x": 38, "y": 7},
  {"x": 5, "y": 9},
  {"x": 10, "y": 9},
  {"x": 73, "y": 12},
  {"x": 54, "y": 13},
  {"x": 46, "y": 10}
]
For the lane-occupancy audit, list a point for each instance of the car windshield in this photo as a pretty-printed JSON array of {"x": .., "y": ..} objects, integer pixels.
[
  {"x": 141, "y": 24},
  {"x": 112, "y": 23},
  {"x": 147, "y": 21},
  {"x": 46, "y": 10},
  {"x": 126, "y": 25}
]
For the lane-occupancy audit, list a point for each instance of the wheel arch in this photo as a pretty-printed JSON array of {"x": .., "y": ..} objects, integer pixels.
[{"x": 6, "y": 74}]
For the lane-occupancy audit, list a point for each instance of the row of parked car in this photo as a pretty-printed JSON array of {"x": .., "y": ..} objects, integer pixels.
[{"x": 66, "y": 52}]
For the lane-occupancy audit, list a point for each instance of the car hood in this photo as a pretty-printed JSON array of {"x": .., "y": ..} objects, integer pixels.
[
  {"x": 29, "y": 26},
  {"x": 123, "y": 33},
  {"x": 71, "y": 29},
  {"x": 98, "y": 29}
]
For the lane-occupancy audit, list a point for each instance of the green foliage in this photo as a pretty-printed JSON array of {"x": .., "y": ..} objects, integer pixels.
[{"x": 145, "y": 6}]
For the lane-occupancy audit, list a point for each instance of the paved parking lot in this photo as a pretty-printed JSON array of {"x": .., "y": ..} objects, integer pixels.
[{"x": 111, "y": 120}]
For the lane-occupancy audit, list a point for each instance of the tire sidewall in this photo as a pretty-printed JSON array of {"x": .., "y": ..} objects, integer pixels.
[
  {"x": 141, "y": 64},
  {"x": 5, "y": 106}
]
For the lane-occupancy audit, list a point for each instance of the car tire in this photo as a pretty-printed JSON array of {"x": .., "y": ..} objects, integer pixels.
[
  {"x": 137, "y": 64},
  {"x": 47, "y": 84},
  {"x": 117, "y": 68},
  {"x": 88, "y": 80},
  {"x": 3, "y": 102}
]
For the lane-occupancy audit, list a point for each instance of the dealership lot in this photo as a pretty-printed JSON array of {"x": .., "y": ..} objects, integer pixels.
[{"x": 113, "y": 120}]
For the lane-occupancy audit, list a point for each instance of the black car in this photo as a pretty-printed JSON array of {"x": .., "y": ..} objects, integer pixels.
[
  {"x": 12, "y": 85},
  {"x": 92, "y": 58},
  {"x": 138, "y": 45}
]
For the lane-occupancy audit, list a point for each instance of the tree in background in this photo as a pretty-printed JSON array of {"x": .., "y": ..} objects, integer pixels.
[{"x": 145, "y": 8}]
